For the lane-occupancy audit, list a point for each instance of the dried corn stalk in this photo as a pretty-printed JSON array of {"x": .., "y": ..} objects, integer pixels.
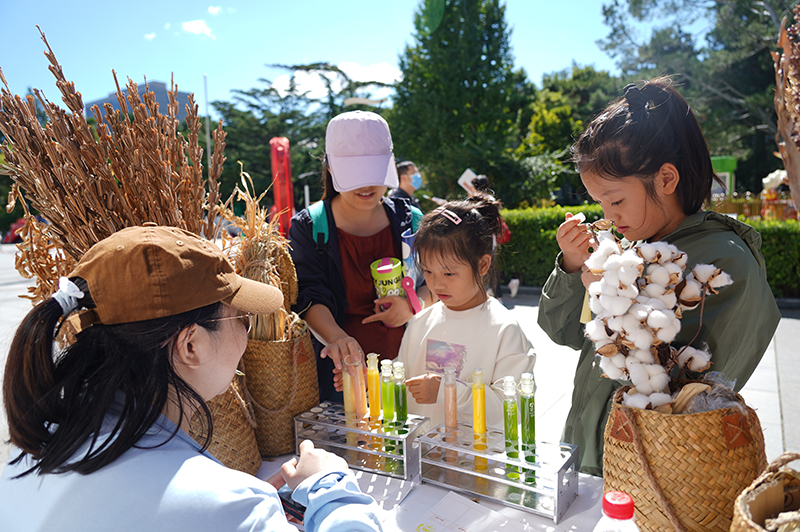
[
  {"x": 787, "y": 101},
  {"x": 91, "y": 183}
]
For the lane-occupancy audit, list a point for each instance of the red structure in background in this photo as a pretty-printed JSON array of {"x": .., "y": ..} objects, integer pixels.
[{"x": 282, "y": 188}]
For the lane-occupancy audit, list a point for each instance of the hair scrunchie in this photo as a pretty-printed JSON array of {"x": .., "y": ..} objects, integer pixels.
[
  {"x": 67, "y": 295},
  {"x": 637, "y": 102}
]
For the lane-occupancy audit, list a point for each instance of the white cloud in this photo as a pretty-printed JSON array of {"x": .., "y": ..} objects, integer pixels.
[
  {"x": 198, "y": 27},
  {"x": 150, "y": 36},
  {"x": 167, "y": 26},
  {"x": 214, "y": 10},
  {"x": 312, "y": 81}
]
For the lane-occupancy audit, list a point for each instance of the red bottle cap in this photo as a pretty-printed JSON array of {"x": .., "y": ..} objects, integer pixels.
[{"x": 618, "y": 505}]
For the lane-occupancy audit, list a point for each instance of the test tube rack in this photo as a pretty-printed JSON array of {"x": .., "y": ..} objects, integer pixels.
[
  {"x": 541, "y": 479},
  {"x": 388, "y": 448}
]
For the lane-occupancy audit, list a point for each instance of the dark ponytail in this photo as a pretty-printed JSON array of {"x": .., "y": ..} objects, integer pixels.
[
  {"x": 474, "y": 236},
  {"x": 56, "y": 400},
  {"x": 640, "y": 132}
]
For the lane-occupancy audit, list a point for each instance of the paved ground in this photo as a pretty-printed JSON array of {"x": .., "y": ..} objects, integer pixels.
[{"x": 770, "y": 390}]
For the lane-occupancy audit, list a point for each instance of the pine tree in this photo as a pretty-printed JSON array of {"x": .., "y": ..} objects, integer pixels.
[{"x": 453, "y": 105}]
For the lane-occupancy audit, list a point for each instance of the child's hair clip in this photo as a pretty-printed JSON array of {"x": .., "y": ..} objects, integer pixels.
[{"x": 450, "y": 215}]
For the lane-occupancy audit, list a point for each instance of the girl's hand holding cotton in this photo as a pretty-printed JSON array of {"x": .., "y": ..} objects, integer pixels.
[{"x": 574, "y": 239}]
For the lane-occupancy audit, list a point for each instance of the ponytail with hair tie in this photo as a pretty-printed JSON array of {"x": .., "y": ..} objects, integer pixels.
[{"x": 637, "y": 102}]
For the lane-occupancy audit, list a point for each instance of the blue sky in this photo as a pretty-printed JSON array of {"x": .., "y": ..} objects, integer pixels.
[{"x": 233, "y": 41}]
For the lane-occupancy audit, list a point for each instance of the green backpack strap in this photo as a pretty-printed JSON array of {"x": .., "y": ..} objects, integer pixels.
[
  {"x": 416, "y": 217},
  {"x": 319, "y": 225}
]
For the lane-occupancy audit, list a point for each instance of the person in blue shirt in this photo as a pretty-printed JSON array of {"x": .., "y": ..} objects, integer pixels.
[{"x": 103, "y": 378}]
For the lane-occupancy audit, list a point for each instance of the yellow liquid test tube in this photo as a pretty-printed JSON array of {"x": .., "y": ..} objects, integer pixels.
[
  {"x": 478, "y": 402},
  {"x": 374, "y": 386}
]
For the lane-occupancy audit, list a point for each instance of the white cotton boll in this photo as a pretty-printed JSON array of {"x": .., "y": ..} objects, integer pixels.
[
  {"x": 628, "y": 290},
  {"x": 657, "y": 399},
  {"x": 618, "y": 360},
  {"x": 595, "y": 261},
  {"x": 596, "y": 331},
  {"x": 667, "y": 334},
  {"x": 645, "y": 388},
  {"x": 700, "y": 361},
  {"x": 631, "y": 361},
  {"x": 655, "y": 304},
  {"x": 669, "y": 299},
  {"x": 581, "y": 217},
  {"x": 673, "y": 268},
  {"x": 616, "y": 306},
  {"x": 703, "y": 271},
  {"x": 611, "y": 278},
  {"x": 613, "y": 262},
  {"x": 611, "y": 371},
  {"x": 628, "y": 275},
  {"x": 638, "y": 375},
  {"x": 615, "y": 323},
  {"x": 654, "y": 290},
  {"x": 638, "y": 311},
  {"x": 642, "y": 355},
  {"x": 681, "y": 260},
  {"x": 630, "y": 323},
  {"x": 608, "y": 289},
  {"x": 664, "y": 251},
  {"x": 607, "y": 236},
  {"x": 647, "y": 252},
  {"x": 673, "y": 252},
  {"x": 595, "y": 306},
  {"x": 654, "y": 369},
  {"x": 658, "y": 319},
  {"x": 658, "y": 275},
  {"x": 691, "y": 290},
  {"x": 686, "y": 354},
  {"x": 595, "y": 288},
  {"x": 636, "y": 400},
  {"x": 659, "y": 382},
  {"x": 642, "y": 339},
  {"x": 723, "y": 279}
]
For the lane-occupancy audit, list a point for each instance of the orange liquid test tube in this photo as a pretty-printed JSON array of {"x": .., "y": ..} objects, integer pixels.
[{"x": 374, "y": 386}]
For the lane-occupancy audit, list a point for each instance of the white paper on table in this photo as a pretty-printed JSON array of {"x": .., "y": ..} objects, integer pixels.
[{"x": 457, "y": 513}]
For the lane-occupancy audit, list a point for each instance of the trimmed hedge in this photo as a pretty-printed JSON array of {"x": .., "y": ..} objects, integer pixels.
[{"x": 530, "y": 255}]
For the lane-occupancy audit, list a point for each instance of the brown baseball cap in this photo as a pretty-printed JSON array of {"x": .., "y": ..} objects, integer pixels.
[{"x": 148, "y": 272}]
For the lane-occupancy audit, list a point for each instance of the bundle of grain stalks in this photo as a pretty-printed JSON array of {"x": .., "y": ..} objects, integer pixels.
[{"x": 89, "y": 182}]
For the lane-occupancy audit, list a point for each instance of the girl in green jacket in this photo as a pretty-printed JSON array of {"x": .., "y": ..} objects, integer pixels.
[{"x": 645, "y": 160}]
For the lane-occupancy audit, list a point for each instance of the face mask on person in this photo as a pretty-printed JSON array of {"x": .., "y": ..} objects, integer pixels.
[{"x": 416, "y": 180}]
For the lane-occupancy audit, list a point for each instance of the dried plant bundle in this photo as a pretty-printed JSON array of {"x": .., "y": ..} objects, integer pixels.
[
  {"x": 787, "y": 101},
  {"x": 262, "y": 254},
  {"x": 87, "y": 183}
]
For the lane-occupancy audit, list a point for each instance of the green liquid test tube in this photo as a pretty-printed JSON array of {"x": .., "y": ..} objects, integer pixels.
[
  {"x": 387, "y": 390},
  {"x": 400, "y": 400}
]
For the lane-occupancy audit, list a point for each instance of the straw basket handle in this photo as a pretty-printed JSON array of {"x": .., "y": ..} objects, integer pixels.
[
  {"x": 630, "y": 416},
  {"x": 781, "y": 461}
]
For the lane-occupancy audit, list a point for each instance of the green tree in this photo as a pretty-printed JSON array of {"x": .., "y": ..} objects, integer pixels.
[
  {"x": 727, "y": 76},
  {"x": 453, "y": 108}
]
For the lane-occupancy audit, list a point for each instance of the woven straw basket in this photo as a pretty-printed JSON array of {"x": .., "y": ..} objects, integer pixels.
[
  {"x": 776, "y": 490},
  {"x": 282, "y": 383},
  {"x": 234, "y": 440},
  {"x": 684, "y": 471}
]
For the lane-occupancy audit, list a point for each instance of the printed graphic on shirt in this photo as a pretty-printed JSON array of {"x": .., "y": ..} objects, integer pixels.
[{"x": 440, "y": 355}]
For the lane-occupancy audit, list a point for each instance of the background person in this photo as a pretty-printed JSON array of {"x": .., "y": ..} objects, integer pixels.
[
  {"x": 101, "y": 433},
  {"x": 336, "y": 292},
  {"x": 410, "y": 181},
  {"x": 645, "y": 160}
]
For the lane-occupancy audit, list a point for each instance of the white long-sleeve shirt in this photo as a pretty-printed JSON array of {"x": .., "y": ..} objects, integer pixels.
[
  {"x": 486, "y": 337},
  {"x": 173, "y": 488}
]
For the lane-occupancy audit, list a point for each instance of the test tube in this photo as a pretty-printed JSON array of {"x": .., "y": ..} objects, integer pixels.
[
  {"x": 387, "y": 390},
  {"x": 400, "y": 399},
  {"x": 374, "y": 386},
  {"x": 450, "y": 399},
  {"x": 478, "y": 402}
]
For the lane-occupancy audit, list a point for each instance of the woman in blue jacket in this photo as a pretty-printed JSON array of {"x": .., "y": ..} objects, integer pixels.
[
  {"x": 100, "y": 425},
  {"x": 336, "y": 294}
]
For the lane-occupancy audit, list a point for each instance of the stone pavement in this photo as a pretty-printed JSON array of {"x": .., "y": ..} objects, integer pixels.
[{"x": 770, "y": 390}]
